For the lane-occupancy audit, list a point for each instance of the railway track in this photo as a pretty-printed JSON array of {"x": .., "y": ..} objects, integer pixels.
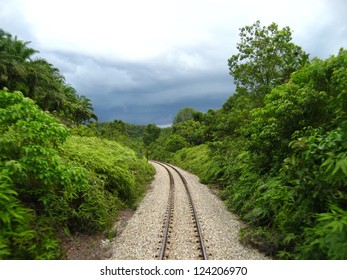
[{"x": 175, "y": 231}]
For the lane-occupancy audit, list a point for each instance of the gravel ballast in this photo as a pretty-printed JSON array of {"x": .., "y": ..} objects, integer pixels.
[{"x": 140, "y": 239}]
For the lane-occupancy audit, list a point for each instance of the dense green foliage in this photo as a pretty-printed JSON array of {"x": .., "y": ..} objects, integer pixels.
[
  {"x": 185, "y": 114},
  {"x": 31, "y": 172},
  {"x": 150, "y": 134},
  {"x": 197, "y": 160},
  {"x": 116, "y": 167},
  {"x": 50, "y": 182},
  {"x": 277, "y": 147},
  {"x": 291, "y": 164}
]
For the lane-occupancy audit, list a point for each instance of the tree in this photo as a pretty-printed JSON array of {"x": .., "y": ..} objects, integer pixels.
[
  {"x": 266, "y": 58},
  {"x": 45, "y": 85},
  {"x": 115, "y": 130},
  {"x": 84, "y": 110},
  {"x": 192, "y": 131},
  {"x": 184, "y": 115},
  {"x": 175, "y": 143},
  {"x": 151, "y": 133},
  {"x": 14, "y": 58}
]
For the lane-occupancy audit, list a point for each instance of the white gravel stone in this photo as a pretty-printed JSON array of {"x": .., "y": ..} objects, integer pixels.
[{"x": 140, "y": 238}]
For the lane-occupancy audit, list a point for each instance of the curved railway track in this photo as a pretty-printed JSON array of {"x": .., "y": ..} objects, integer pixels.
[{"x": 169, "y": 226}]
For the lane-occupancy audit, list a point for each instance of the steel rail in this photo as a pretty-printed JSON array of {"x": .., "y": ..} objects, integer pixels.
[
  {"x": 168, "y": 214},
  {"x": 199, "y": 231},
  {"x": 169, "y": 209}
]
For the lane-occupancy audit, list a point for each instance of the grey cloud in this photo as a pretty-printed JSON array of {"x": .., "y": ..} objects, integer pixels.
[
  {"x": 159, "y": 114},
  {"x": 159, "y": 102},
  {"x": 144, "y": 92},
  {"x": 187, "y": 74}
]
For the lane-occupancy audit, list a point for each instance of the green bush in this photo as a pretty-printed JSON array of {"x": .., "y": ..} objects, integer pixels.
[
  {"x": 119, "y": 169},
  {"x": 197, "y": 160},
  {"x": 328, "y": 239},
  {"x": 30, "y": 177},
  {"x": 42, "y": 192}
]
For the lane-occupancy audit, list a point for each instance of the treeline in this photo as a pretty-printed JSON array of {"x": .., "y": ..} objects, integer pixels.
[
  {"x": 57, "y": 176},
  {"x": 277, "y": 148}
]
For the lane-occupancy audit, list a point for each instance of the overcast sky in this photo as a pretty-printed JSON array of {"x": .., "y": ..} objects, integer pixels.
[{"x": 142, "y": 60}]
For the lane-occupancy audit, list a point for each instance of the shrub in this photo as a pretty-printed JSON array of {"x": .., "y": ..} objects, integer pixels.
[
  {"x": 30, "y": 178},
  {"x": 328, "y": 239},
  {"x": 121, "y": 172},
  {"x": 197, "y": 160},
  {"x": 42, "y": 192}
]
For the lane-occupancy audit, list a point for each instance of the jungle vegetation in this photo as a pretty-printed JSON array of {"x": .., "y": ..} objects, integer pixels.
[
  {"x": 277, "y": 149},
  {"x": 58, "y": 176}
]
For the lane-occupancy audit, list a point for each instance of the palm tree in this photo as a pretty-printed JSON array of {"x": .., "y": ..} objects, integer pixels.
[
  {"x": 40, "y": 81},
  {"x": 84, "y": 110},
  {"x": 45, "y": 85},
  {"x": 14, "y": 58}
]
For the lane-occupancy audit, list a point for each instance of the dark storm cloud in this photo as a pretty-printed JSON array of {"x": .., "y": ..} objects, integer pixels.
[
  {"x": 159, "y": 104},
  {"x": 162, "y": 114},
  {"x": 143, "y": 92}
]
